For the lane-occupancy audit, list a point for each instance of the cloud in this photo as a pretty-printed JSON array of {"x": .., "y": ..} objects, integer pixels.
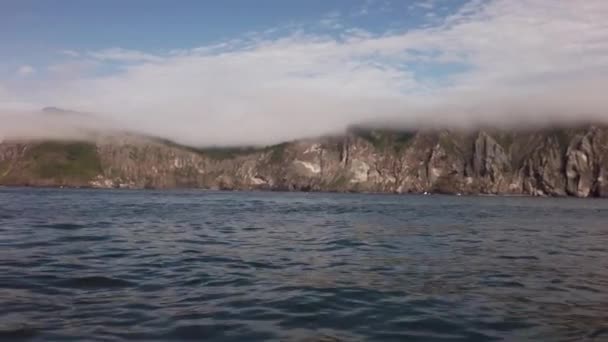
[
  {"x": 123, "y": 55},
  {"x": 72, "y": 69},
  {"x": 23, "y": 124},
  {"x": 70, "y": 53},
  {"x": 26, "y": 70},
  {"x": 332, "y": 20},
  {"x": 371, "y": 8},
  {"x": 501, "y": 62},
  {"x": 425, "y": 4}
]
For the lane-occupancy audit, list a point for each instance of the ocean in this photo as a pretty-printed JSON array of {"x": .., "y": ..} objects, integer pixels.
[{"x": 125, "y": 265}]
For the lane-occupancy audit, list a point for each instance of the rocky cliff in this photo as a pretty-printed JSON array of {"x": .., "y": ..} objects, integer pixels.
[{"x": 548, "y": 162}]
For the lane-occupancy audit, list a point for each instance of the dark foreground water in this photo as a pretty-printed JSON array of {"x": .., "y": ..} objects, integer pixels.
[{"x": 145, "y": 265}]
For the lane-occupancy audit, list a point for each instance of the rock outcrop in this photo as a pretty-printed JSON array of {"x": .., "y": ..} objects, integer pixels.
[{"x": 552, "y": 162}]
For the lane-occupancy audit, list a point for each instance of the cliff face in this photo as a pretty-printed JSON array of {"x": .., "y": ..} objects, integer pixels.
[{"x": 557, "y": 162}]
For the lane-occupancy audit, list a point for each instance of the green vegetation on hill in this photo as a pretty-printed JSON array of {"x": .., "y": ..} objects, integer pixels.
[
  {"x": 225, "y": 153},
  {"x": 449, "y": 143},
  {"x": 217, "y": 153},
  {"x": 384, "y": 138},
  {"x": 277, "y": 152},
  {"x": 63, "y": 161},
  {"x": 221, "y": 153},
  {"x": 4, "y": 168}
]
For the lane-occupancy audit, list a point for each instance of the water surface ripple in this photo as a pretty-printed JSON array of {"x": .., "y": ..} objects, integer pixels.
[{"x": 192, "y": 265}]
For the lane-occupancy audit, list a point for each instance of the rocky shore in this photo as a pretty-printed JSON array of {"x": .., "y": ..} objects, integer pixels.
[{"x": 543, "y": 162}]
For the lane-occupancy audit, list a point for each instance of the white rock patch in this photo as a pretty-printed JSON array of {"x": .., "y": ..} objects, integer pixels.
[
  {"x": 314, "y": 168},
  {"x": 360, "y": 170},
  {"x": 313, "y": 149},
  {"x": 257, "y": 181}
]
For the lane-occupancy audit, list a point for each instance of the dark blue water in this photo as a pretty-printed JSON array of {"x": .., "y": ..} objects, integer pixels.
[{"x": 145, "y": 265}]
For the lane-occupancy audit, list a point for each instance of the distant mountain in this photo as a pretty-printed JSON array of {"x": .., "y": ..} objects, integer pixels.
[
  {"x": 55, "y": 110},
  {"x": 546, "y": 162}
]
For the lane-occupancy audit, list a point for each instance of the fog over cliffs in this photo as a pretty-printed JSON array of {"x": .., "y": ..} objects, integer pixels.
[{"x": 508, "y": 64}]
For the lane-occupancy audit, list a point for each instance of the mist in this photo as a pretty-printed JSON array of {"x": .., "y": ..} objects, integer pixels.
[
  {"x": 54, "y": 125},
  {"x": 509, "y": 64}
]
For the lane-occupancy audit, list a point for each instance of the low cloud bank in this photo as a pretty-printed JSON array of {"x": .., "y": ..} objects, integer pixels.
[
  {"x": 53, "y": 124},
  {"x": 507, "y": 63}
]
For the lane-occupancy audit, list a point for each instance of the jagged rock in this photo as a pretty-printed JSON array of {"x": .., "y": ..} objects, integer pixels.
[
  {"x": 554, "y": 162},
  {"x": 580, "y": 166},
  {"x": 543, "y": 171},
  {"x": 491, "y": 164}
]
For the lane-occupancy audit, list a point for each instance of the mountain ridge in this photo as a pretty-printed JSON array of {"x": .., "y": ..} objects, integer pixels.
[{"x": 563, "y": 161}]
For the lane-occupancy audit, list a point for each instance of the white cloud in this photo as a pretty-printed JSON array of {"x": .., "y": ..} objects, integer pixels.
[
  {"x": 72, "y": 69},
  {"x": 70, "y": 53},
  {"x": 426, "y": 4},
  {"x": 512, "y": 61},
  {"x": 423, "y": 5},
  {"x": 332, "y": 20},
  {"x": 123, "y": 55},
  {"x": 26, "y": 70},
  {"x": 372, "y": 7}
]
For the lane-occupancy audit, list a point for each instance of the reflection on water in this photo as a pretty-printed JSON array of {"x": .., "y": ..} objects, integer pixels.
[{"x": 282, "y": 266}]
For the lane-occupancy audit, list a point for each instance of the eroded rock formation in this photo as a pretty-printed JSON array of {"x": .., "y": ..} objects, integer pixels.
[{"x": 551, "y": 162}]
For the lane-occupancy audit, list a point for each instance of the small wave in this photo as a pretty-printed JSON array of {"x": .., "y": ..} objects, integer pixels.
[
  {"x": 506, "y": 284},
  {"x": 93, "y": 282},
  {"x": 263, "y": 265},
  {"x": 201, "y": 332},
  {"x": 554, "y": 289},
  {"x": 218, "y": 259},
  {"x": 322, "y": 338},
  {"x": 598, "y": 332},
  {"x": 585, "y": 288},
  {"x": 340, "y": 244},
  {"x": 83, "y": 238},
  {"x": 428, "y": 324},
  {"x": 17, "y": 334},
  {"x": 238, "y": 282},
  {"x": 114, "y": 255},
  {"x": 505, "y": 325},
  {"x": 252, "y": 228},
  {"x": 102, "y": 224},
  {"x": 62, "y": 226},
  {"x": 518, "y": 257}
]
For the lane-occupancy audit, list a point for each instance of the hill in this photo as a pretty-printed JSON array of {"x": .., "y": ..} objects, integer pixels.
[{"x": 542, "y": 162}]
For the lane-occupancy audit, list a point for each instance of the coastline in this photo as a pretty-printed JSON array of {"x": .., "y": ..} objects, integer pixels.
[
  {"x": 565, "y": 162},
  {"x": 254, "y": 190}
]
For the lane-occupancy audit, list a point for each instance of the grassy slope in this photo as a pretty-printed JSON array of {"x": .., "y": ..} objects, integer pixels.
[{"x": 55, "y": 163}]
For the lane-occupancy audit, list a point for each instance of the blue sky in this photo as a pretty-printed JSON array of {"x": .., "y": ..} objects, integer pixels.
[
  {"x": 265, "y": 71},
  {"x": 33, "y": 31}
]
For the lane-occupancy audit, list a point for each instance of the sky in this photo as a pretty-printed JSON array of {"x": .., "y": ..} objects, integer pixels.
[{"x": 237, "y": 72}]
